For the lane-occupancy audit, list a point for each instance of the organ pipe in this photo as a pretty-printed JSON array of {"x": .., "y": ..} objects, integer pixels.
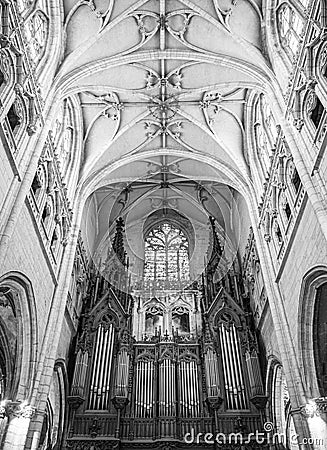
[
  {"x": 252, "y": 363},
  {"x": 101, "y": 369},
  {"x": 122, "y": 374},
  {"x": 227, "y": 377},
  {"x": 231, "y": 362},
  {"x": 232, "y": 367},
  {"x": 80, "y": 373},
  {"x": 144, "y": 389},
  {"x": 189, "y": 392},
  {"x": 212, "y": 376},
  {"x": 239, "y": 366}
]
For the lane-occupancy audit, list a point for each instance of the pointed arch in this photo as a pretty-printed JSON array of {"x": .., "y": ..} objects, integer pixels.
[
  {"x": 17, "y": 290},
  {"x": 314, "y": 279}
]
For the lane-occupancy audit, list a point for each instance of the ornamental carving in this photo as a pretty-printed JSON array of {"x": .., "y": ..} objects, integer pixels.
[
  {"x": 17, "y": 409},
  {"x": 5, "y": 65},
  {"x": 323, "y": 59},
  {"x": 310, "y": 101}
]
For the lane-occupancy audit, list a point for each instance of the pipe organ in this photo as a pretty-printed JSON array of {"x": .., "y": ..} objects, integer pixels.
[{"x": 135, "y": 382}]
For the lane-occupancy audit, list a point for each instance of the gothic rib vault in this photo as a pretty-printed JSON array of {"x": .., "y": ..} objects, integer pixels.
[{"x": 164, "y": 88}]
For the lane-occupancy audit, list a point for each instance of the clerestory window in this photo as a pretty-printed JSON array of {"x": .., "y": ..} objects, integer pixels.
[{"x": 290, "y": 25}]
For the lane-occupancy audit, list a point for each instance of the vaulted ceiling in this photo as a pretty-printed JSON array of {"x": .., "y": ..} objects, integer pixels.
[{"x": 164, "y": 88}]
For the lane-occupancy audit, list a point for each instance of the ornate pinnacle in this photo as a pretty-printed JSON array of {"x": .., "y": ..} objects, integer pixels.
[
  {"x": 216, "y": 244},
  {"x": 118, "y": 242}
]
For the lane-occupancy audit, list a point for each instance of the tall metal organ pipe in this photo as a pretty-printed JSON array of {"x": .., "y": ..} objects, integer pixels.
[
  {"x": 80, "y": 371},
  {"x": 255, "y": 378},
  {"x": 212, "y": 375},
  {"x": 144, "y": 399},
  {"x": 121, "y": 388},
  {"x": 189, "y": 389},
  {"x": 232, "y": 368},
  {"x": 101, "y": 368},
  {"x": 167, "y": 388}
]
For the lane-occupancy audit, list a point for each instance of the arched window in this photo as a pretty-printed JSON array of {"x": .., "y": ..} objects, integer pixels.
[
  {"x": 181, "y": 320},
  {"x": 63, "y": 135},
  {"x": 154, "y": 320},
  {"x": 280, "y": 399},
  {"x": 290, "y": 24},
  {"x": 320, "y": 337},
  {"x": 166, "y": 256},
  {"x": 281, "y": 409},
  {"x": 8, "y": 340}
]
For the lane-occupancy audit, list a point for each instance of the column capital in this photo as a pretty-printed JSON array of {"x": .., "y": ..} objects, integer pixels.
[{"x": 18, "y": 409}]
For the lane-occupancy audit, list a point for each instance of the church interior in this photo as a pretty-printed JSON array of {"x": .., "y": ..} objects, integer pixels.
[{"x": 163, "y": 224}]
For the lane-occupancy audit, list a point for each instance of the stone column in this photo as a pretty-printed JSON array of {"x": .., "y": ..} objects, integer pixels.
[{"x": 19, "y": 418}]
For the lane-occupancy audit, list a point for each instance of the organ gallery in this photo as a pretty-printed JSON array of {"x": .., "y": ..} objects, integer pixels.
[{"x": 169, "y": 356}]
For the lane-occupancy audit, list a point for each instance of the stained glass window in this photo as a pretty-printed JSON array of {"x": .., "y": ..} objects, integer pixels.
[
  {"x": 166, "y": 257},
  {"x": 290, "y": 25}
]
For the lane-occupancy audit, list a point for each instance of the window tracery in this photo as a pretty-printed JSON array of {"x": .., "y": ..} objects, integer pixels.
[
  {"x": 313, "y": 114},
  {"x": 181, "y": 320},
  {"x": 24, "y": 4},
  {"x": 266, "y": 132},
  {"x": 166, "y": 256},
  {"x": 63, "y": 136},
  {"x": 154, "y": 320},
  {"x": 36, "y": 30}
]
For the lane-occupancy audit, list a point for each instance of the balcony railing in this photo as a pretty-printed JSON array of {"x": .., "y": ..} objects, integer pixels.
[{"x": 103, "y": 425}]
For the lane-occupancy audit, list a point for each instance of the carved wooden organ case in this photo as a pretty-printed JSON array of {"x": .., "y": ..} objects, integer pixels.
[{"x": 132, "y": 387}]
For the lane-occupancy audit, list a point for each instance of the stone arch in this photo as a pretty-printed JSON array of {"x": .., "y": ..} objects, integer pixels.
[
  {"x": 312, "y": 280},
  {"x": 274, "y": 382},
  {"x": 279, "y": 409},
  {"x": 53, "y": 427},
  {"x": 16, "y": 289}
]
